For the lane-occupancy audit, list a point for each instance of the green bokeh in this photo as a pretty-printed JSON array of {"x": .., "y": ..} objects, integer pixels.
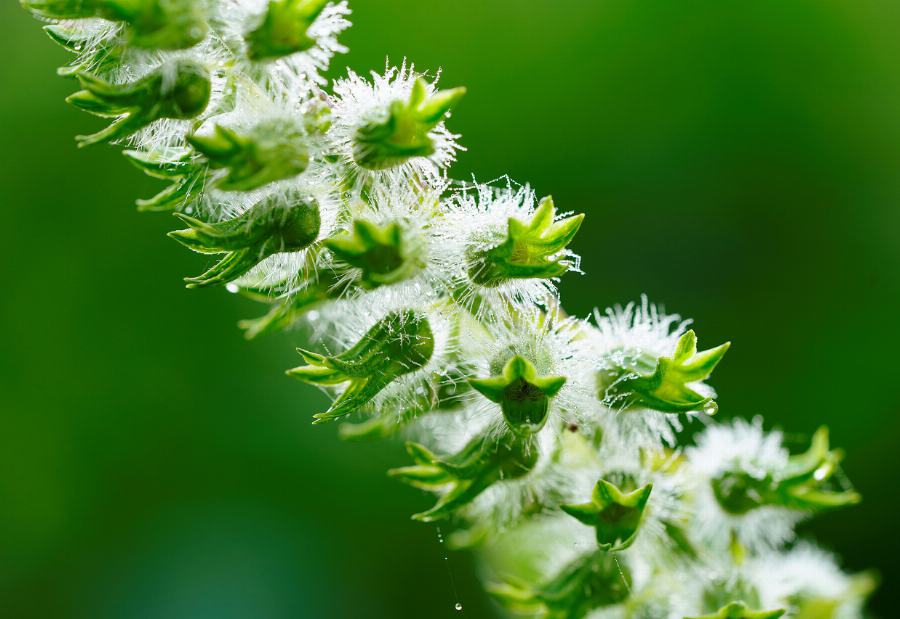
[{"x": 738, "y": 161}]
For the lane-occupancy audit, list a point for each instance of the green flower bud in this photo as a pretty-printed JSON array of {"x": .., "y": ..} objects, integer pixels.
[
  {"x": 404, "y": 134},
  {"x": 75, "y": 40},
  {"x": 590, "y": 582},
  {"x": 401, "y": 343},
  {"x": 436, "y": 394},
  {"x": 179, "y": 89},
  {"x": 616, "y": 515},
  {"x": 531, "y": 249},
  {"x": 739, "y": 610},
  {"x": 379, "y": 252},
  {"x": 271, "y": 151},
  {"x": 292, "y": 304},
  {"x": 153, "y": 24},
  {"x": 468, "y": 473},
  {"x": 523, "y": 396},
  {"x": 662, "y": 384},
  {"x": 186, "y": 173},
  {"x": 275, "y": 224},
  {"x": 284, "y": 29},
  {"x": 804, "y": 485}
]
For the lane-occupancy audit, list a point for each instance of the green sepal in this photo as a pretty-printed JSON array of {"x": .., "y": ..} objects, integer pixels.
[
  {"x": 270, "y": 151},
  {"x": 523, "y": 396},
  {"x": 179, "y": 89},
  {"x": 665, "y": 387},
  {"x": 590, "y": 582},
  {"x": 379, "y": 252},
  {"x": 532, "y": 249},
  {"x": 616, "y": 515},
  {"x": 805, "y": 484},
  {"x": 437, "y": 393},
  {"x": 186, "y": 173},
  {"x": 400, "y": 343},
  {"x": 152, "y": 24},
  {"x": 284, "y": 29},
  {"x": 273, "y": 225},
  {"x": 739, "y": 610},
  {"x": 74, "y": 40},
  {"x": 484, "y": 461},
  {"x": 404, "y": 134},
  {"x": 293, "y": 304}
]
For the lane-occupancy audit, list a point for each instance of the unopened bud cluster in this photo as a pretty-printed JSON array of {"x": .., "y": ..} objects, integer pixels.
[{"x": 550, "y": 443}]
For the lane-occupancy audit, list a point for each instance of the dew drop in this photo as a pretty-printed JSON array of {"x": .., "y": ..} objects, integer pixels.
[
  {"x": 231, "y": 287},
  {"x": 78, "y": 47},
  {"x": 458, "y": 606}
]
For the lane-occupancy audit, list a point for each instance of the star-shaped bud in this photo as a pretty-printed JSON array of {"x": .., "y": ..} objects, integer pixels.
[
  {"x": 379, "y": 252},
  {"x": 739, "y": 610},
  {"x": 588, "y": 583},
  {"x": 523, "y": 396},
  {"x": 665, "y": 385},
  {"x": 179, "y": 89},
  {"x": 152, "y": 24},
  {"x": 406, "y": 131},
  {"x": 401, "y": 343},
  {"x": 616, "y": 515},
  {"x": 74, "y": 39},
  {"x": 532, "y": 249},
  {"x": 275, "y": 224},
  {"x": 481, "y": 463},
  {"x": 805, "y": 484},
  {"x": 284, "y": 29},
  {"x": 437, "y": 393},
  {"x": 270, "y": 151},
  {"x": 183, "y": 169},
  {"x": 291, "y": 305}
]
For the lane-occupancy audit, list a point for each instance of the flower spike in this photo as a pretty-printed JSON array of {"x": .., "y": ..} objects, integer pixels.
[
  {"x": 270, "y": 151},
  {"x": 534, "y": 249},
  {"x": 481, "y": 463},
  {"x": 588, "y": 583},
  {"x": 152, "y": 24},
  {"x": 404, "y": 134},
  {"x": 179, "y": 89},
  {"x": 183, "y": 170},
  {"x": 379, "y": 252},
  {"x": 273, "y": 225},
  {"x": 739, "y": 610},
  {"x": 616, "y": 515},
  {"x": 523, "y": 396},
  {"x": 284, "y": 29},
  {"x": 401, "y": 343},
  {"x": 665, "y": 387}
]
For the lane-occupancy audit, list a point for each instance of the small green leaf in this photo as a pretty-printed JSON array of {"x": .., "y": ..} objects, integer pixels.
[
  {"x": 275, "y": 224},
  {"x": 284, "y": 29},
  {"x": 179, "y": 89},
  {"x": 523, "y": 396},
  {"x": 616, "y": 515},
  {"x": 481, "y": 463},
  {"x": 590, "y": 582},
  {"x": 152, "y": 24},
  {"x": 663, "y": 384},
  {"x": 739, "y": 610},
  {"x": 405, "y": 133},
  {"x": 400, "y": 343},
  {"x": 270, "y": 151},
  {"x": 533, "y": 249},
  {"x": 379, "y": 252}
]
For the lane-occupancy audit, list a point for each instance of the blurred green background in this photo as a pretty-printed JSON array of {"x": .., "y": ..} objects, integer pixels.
[{"x": 738, "y": 161}]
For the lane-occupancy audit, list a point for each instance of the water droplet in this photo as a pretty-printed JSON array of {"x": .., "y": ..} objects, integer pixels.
[
  {"x": 78, "y": 47},
  {"x": 458, "y": 606},
  {"x": 231, "y": 287}
]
